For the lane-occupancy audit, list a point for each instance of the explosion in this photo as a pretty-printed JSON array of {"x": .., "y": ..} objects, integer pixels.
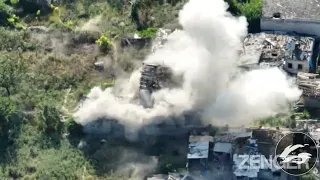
[{"x": 205, "y": 55}]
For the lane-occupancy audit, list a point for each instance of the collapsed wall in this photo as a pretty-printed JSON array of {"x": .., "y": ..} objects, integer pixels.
[{"x": 153, "y": 78}]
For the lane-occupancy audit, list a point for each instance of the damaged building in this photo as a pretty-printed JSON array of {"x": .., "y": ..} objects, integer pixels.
[
  {"x": 310, "y": 86},
  {"x": 153, "y": 78},
  {"x": 292, "y": 53},
  {"x": 302, "y": 17}
]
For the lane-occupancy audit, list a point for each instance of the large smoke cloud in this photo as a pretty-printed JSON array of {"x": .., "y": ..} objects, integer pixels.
[{"x": 205, "y": 54}]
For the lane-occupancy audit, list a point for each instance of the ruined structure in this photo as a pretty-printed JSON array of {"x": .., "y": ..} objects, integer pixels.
[
  {"x": 293, "y": 53},
  {"x": 310, "y": 86},
  {"x": 298, "y": 54},
  {"x": 153, "y": 78}
]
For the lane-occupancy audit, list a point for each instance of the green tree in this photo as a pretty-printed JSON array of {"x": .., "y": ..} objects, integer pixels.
[
  {"x": 150, "y": 33},
  {"x": 49, "y": 119},
  {"x": 12, "y": 70},
  {"x": 252, "y": 10},
  {"x": 7, "y": 109},
  {"x": 141, "y": 13}
]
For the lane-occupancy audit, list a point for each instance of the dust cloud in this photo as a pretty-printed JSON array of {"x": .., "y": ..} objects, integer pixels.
[
  {"x": 135, "y": 165},
  {"x": 205, "y": 54},
  {"x": 92, "y": 25}
]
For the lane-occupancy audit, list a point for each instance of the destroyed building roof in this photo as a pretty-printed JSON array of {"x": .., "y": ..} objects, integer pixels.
[
  {"x": 198, "y": 150},
  {"x": 222, "y": 147},
  {"x": 200, "y": 139},
  {"x": 231, "y": 137},
  {"x": 251, "y": 50},
  {"x": 274, "y": 49},
  {"x": 307, "y": 10},
  {"x": 309, "y": 84}
]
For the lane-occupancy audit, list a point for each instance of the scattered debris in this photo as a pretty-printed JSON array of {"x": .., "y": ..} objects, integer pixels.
[
  {"x": 99, "y": 65},
  {"x": 293, "y": 53}
]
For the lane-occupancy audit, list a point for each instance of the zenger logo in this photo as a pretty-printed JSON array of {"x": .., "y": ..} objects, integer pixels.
[{"x": 296, "y": 153}]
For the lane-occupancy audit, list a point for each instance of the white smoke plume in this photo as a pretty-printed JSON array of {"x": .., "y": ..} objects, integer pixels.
[{"x": 205, "y": 53}]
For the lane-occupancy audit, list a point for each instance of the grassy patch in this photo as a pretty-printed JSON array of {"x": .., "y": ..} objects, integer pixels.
[{"x": 38, "y": 70}]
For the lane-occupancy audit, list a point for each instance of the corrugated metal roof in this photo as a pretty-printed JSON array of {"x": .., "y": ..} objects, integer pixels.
[
  {"x": 198, "y": 150},
  {"x": 244, "y": 134},
  {"x": 222, "y": 147}
]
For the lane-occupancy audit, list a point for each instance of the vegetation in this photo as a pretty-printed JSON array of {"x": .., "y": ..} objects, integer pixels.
[
  {"x": 104, "y": 42},
  {"x": 149, "y": 33},
  {"x": 252, "y": 10},
  {"x": 273, "y": 122}
]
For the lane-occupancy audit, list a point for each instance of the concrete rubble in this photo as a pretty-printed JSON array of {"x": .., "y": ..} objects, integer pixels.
[
  {"x": 272, "y": 50},
  {"x": 309, "y": 84},
  {"x": 161, "y": 38}
]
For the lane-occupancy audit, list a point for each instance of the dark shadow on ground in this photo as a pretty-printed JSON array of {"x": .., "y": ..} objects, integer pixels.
[
  {"x": 165, "y": 138},
  {"x": 7, "y": 143}
]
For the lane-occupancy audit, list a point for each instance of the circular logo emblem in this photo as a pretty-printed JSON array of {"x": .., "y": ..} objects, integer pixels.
[{"x": 296, "y": 153}]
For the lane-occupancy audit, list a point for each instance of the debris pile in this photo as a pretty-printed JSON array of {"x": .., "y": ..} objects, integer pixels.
[
  {"x": 153, "y": 77},
  {"x": 272, "y": 50},
  {"x": 309, "y": 84},
  {"x": 161, "y": 39}
]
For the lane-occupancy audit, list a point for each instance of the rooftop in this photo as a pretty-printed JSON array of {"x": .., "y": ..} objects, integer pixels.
[
  {"x": 275, "y": 48},
  {"x": 231, "y": 137},
  {"x": 198, "y": 150},
  {"x": 222, "y": 147},
  {"x": 292, "y": 9}
]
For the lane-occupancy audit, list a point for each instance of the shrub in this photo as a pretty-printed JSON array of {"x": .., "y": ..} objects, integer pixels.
[
  {"x": 5, "y": 9},
  {"x": 14, "y": 2},
  {"x": 15, "y": 21},
  {"x": 252, "y": 10},
  {"x": 305, "y": 115},
  {"x": 55, "y": 16},
  {"x": 12, "y": 72},
  {"x": 149, "y": 33},
  {"x": 69, "y": 25},
  {"x": 7, "y": 109},
  {"x": 273, "y": 122},
  {"x": 49, "y": 119},
  {"x": 141, "y": 13},
  {"x": 14, "y": 40},
  {"x": 107, "y": 84},
  {"x": 104, "y": 43}
]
